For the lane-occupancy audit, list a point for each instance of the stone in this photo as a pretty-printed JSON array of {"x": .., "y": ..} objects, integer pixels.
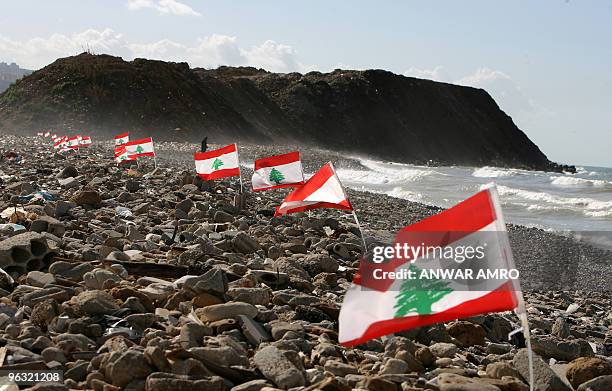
[
  {"x": 279, "y": 329},
  {"x": 444, "y": 349},
  {"x": 467, "y": 333},
  {"x": 584, "y": 369},
  {"x": 544, "y": 377},
  {"x": 95, "y": 302},
  {"x": 414, "y": 365},
  {"x": 601, "y": 383},
  {"x": 253, "y": 385},
  {"x": 339, "y": 368},
  {"x": 561, "y": 328},
  {"x": 245, "y": 244},
  {"x": 425, "y": 356},
  {"x": 453, "y": 382},
  {"x": 213, "y": 282},
  {"x": 252, "y": 330},
  {"x": 87, "y": 197},
  {"x": 255, "y": 296},
  {"x": 192, "y": 334},
  {"x": 222, "y": 217},
  {"x": 157, "y": 359},
  {"x": 497, "y": 370},
  {"x": 39, "y": 279},
  {"x": 394, "y": 366},
  {"x": 126, "y": 367},
  {"x": 276, "y": 367},
  {"x": 169, "y": 382},
  {"x": 549, "y": 346},
  {"x": 225, "y": 311},
  {"x": 67, "y": 172}
]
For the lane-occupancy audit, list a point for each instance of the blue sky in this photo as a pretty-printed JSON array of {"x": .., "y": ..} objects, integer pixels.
[{"x": 547, "y": 63}]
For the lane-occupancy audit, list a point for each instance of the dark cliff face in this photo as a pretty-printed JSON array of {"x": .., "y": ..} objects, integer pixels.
[{"x": 370, "y": 112}]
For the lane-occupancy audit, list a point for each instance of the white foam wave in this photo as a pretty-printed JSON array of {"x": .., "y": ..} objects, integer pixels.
[
  {"x": 494, "y": 172},
  {"x": 583, "y": 202},
  {"x": 575, "y": 181},
  {"x": 382, "y": 173},
  {"x": 598, "y": 213}
]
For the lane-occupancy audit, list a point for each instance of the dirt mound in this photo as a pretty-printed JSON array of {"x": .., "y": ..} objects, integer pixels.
[{"x": 371, "y": 112}]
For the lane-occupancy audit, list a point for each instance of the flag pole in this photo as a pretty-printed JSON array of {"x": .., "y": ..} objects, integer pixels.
[
  {"x": 154, "y": 154},
  {"x": 365, "y": 246},
  {"x": 522, "y": 314},
  {"x": 239, "y": 169}
]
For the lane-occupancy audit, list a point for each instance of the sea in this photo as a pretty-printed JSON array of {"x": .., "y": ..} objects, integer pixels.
[{"x": 577, "y": 204}]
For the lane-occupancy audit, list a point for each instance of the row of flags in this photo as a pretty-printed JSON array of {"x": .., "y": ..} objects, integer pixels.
[
  {"x": 374, "y": 307},
  {"x": 126, "y": 150},
  {"x": 322, "y": 190},
  {"x": 64, "y": 143}
]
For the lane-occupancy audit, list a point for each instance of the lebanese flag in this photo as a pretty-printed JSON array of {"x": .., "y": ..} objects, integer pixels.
[
  {"x": 220, "y": 163},
  {"x": 121, "y": 154},
  {"x": 377, "y": 305},
  {"x": 323, "y": 190},
  {"x": 85, "y": 141},
  {"x": 122, "y": 138},
  {"x": 278, "y": 171},
  {"x": 60, "y": 143},
  {"x": 138, "y": 148},
  {"x": 73, "y": 142}
]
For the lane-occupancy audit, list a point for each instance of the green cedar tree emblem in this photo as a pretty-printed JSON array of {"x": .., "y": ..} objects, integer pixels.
[
  {"x": 216, "y": 164},
  {"x": 419, "y": 294},
  {"x": 139, "y": 149},
  {"x": 276, "y": 176}
]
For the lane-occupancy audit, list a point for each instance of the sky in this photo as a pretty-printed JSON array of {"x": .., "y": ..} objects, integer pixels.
[{"x": 547, "y": 63}]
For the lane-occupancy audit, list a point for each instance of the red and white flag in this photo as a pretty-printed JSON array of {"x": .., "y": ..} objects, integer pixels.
[
  {"x": 322, "y": 190},
  {"x": 73, "y": 142},
  {"x": 413, "y": 288},
  {"x": 138, "y": 148},
  {"x": 220, "y": 163},
  {"x": 278, "y": 171},
  {"x": 121, "y": 154},
  {"x": 122, "y": 138},
  {"x": 60, "y": 143},
  {"x": 85, "y": 141}
]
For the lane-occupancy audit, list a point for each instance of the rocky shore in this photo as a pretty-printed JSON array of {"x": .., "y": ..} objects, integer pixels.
[{"x": 151, "y": 279}]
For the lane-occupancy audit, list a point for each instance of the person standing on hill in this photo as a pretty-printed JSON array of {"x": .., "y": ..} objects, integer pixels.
[{"x": 204, "y": 145}]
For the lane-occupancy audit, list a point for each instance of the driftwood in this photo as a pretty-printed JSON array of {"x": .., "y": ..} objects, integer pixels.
[{"x": 161, "y": 270}]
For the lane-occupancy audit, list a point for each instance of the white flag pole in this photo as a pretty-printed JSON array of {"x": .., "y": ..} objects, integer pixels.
[
  {"x": 365, "y": 246},
  {"x": 154, "y": 154},
  {"x": 522, "y": 314},
  {"x": 521, "y": 309},
  {"x": 239, "y": 168}
]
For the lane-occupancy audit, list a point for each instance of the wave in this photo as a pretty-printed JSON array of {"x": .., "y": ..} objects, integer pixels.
[
  {"x": 382, "y": 173},
  {"x": 589, "y": 204},
  {"x": 575, "y": 181},
  {"x": 494, "y": 172}
]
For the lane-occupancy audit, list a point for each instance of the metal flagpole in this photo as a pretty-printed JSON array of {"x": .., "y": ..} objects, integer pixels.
[
  {"x": 365, "y": 246},
  {"x": 239, "y": 169}
]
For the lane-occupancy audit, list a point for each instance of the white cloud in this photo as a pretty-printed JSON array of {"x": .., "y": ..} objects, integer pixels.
[
  {"x": 506, "y": 92},
  {"x": 438, "y": 73},
  {"x": 501, "y": 86},
  {"x": 163, "y": 7},
  {"x": 208, "y": 52}
]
